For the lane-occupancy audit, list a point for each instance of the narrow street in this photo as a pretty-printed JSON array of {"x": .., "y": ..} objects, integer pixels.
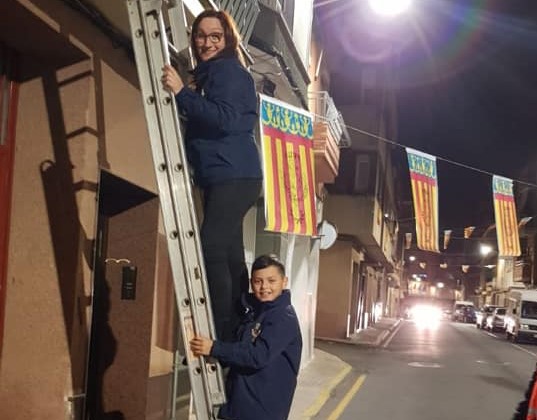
[{"x": 453, "y": 371}]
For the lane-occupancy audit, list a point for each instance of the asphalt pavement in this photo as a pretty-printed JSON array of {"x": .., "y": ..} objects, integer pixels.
[
  {"x": 432, "y": 371},
  {"x": 321, "y": 376}
]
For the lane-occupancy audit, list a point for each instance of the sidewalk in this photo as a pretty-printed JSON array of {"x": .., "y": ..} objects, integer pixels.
[{"x": 317, "y": 380}]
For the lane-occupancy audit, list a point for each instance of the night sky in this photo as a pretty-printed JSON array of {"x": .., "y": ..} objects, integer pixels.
[
  {"x": 466, "y": 92},
  {"x": 472, "y": 99}
]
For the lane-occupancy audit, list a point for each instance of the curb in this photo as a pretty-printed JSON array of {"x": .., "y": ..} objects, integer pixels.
[
  {"x": 325, "y": 393},
  {"x": 376, "y": 343}
]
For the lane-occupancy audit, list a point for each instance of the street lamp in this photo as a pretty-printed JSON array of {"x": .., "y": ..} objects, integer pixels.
[{"x": 389, "y": 7}]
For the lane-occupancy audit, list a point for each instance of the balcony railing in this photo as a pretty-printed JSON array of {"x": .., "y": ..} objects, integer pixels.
[
  {"x": 245, "y": 13},
  {"x": 325, "y": 111}
]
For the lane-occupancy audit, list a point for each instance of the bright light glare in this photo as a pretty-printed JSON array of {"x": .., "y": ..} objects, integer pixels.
[
  {"x": 440, "y": 285},
  {"x": 412, "y": 258},
  {"x": 389, "y": 7},
  {"x": 485, "y": 249},
  {"x": 426, "y": 316}
]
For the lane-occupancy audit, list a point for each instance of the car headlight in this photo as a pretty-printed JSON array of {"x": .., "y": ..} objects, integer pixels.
[{"x": 524, "y": 327}]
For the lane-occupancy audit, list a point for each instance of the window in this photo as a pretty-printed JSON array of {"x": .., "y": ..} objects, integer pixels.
[
  {"x": 356, "y": 173},
  {"x": 529, "y": 309},
  {"x": 362, "y": 174}
]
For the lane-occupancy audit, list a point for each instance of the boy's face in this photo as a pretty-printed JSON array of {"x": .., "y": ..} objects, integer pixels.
[{"x": 268, "y": 283}]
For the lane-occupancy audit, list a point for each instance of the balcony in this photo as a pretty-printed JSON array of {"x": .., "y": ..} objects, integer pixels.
[
  {"x": 329, "y": 134},
  {"x": 359, "y": 217}
]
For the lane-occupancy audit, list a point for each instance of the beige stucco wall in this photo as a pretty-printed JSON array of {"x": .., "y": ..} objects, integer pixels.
[
  {"x": 70, "y": 122},
  {"x": 334, "y": 289},
  {"x": 35, "y": 370}
]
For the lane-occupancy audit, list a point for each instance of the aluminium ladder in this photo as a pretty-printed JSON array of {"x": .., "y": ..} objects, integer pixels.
[{"x": 152, "y": 51}]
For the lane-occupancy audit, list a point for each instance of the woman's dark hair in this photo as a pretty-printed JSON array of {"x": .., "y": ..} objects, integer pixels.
[
  {"x": 231, "y": 34},
  {"x": 264, "y": 261}
]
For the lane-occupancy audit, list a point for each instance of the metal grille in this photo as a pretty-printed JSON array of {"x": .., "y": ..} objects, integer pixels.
[
  {"x": 327, "y": 112},
  {"x": 244, "y": 12}
]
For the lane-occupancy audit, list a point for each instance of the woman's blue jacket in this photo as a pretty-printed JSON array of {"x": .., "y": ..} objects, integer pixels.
[{"x": 221, "y": 115}]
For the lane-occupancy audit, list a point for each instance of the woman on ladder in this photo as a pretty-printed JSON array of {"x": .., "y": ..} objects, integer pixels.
[{"x": 220, "y": 107}]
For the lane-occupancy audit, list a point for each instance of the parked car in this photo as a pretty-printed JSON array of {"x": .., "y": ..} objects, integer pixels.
[
  {"x": 464, "y": 313},
  {"x": 482, "y": 314},
  {"x": 496, "y": 320},
  {"x": 459, "y": 310}
]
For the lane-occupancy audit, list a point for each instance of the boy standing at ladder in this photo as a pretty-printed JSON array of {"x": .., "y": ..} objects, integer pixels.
[{"x": 265, "y": 360}]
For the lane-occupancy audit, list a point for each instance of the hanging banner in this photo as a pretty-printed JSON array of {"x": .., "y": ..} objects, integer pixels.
[
  {"x": 288, "y": 165},
  {"x": 468, "y": 231},
  {"x": 505, "y": 216},
  {"x": 447, "y": 237},
  {"x": 423, "y": 179}
]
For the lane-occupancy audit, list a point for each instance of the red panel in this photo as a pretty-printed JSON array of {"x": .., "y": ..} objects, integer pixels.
[{"x": 6, "y": 181}]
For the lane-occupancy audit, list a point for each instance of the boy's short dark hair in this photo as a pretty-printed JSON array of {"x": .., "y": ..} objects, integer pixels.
[{"x": 268, "y": 260}]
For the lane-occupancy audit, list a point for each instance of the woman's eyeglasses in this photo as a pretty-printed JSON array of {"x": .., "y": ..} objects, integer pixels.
[{"x": 214, "y": 37}]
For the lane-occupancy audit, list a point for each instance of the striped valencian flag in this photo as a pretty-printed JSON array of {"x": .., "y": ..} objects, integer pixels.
[
  {"x": 288, "y": 164},
  {"x": 468, "y": 231},
  {"x": 423, "y": 179},
  {"x": 505, "y": 215}
]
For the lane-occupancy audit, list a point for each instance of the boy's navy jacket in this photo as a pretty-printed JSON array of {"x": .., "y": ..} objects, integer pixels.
[
  {"x": 221, "y": 115},
  {"x": 264, "y": 363}
]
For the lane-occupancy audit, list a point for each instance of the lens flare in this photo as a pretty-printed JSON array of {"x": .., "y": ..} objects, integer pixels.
[{"x": 389, "y": 7}]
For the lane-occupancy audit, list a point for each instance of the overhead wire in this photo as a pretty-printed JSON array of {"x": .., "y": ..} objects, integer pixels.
[{"x": 450, "y": 161}]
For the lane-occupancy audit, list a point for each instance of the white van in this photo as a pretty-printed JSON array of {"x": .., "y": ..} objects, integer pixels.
[{"x": 521, "y": 315}]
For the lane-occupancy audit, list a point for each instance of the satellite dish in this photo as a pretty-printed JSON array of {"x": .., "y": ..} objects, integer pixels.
[{"x": 328, "y": 234}]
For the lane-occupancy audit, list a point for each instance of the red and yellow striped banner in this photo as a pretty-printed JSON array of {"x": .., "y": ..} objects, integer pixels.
[
  {"x": 287, "y": 143},
  {"x": 505, "y": 215},
  {"x": 424, "y": 184}
]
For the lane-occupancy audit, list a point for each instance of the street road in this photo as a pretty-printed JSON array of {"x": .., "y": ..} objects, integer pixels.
[{"x": 454, "y": 371}]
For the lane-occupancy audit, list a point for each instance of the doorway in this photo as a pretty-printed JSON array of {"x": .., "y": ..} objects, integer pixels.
[{"x": 122, "y": 304}]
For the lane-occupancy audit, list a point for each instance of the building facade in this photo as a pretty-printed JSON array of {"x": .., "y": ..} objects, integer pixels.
[{"x": 87, "y": 313}]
